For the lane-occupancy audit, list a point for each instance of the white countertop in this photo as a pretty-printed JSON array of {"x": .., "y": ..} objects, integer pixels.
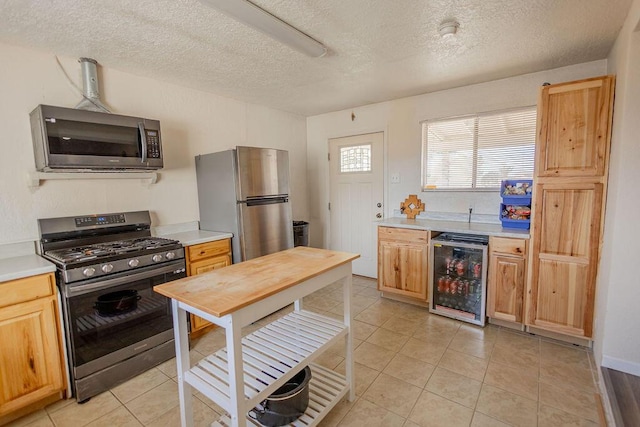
[
  {"x": 194, "y": 237},
  {"x": 24, "y": 266},
  {"x": 455, "y": 227}
]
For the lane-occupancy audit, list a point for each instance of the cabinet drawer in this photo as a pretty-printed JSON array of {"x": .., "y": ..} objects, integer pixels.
[
  {"x": 505, "y": 245},
  {"x": 405, "y": 235},
  {"x": 207, "y": 250},
  {"x": 27, "y": 289}
]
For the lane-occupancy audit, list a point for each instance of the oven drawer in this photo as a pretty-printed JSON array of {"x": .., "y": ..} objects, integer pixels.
[
  {"x": 27, "y": 289},
  {"x": 207, "y": 250}
]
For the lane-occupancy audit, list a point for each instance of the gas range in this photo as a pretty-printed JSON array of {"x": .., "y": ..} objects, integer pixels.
[{"x": 95, "y": 246}]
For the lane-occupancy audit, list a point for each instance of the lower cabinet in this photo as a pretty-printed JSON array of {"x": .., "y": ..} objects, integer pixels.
[
  {"x": 403, "y": 256},
  {"x": 202, "y": 258},
  {"x": 506, "y": 279},
  {"x": 31, "y": 360}
]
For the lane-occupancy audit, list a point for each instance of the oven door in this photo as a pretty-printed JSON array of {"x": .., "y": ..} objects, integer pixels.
[{"x": 110, "y": 320}]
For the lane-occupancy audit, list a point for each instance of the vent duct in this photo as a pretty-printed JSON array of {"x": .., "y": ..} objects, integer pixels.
[{"x": 90, "y": 91}]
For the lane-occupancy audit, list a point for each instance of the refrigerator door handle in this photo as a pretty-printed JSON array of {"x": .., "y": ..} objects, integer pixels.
[{"x": 265, "y": 200}]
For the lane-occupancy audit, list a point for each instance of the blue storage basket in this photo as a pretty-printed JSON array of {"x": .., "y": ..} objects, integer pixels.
[
  {"x": 523, "y": 224},
  {"x": 516, "y": 199}
]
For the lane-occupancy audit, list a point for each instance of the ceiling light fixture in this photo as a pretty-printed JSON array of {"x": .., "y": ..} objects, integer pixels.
[
  {"x": 255, "y": 17},
  {"x": 448, "y": 29}
]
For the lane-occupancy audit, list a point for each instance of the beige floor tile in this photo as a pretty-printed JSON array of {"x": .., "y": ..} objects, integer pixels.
[
  {"x": 388, "y": 339},
  {"x": 373, "y": 316},
  {"x": 471, "y": 346},
  {"x": 203, "y": 416},
  {"x": 76, "y": 415},
  {"x": 512, "y": 379},
  {"x": 362, "y": 330},
  {"x": 566, "y": 374},
  {"x": 482, "y": 420},
  {"x": 139, "y": 385},
  {"x": 400, "y": 325},
  {"x": 408, "y": 369},
  {"x": 155, "y": 402},
  {"x": 39, "y": 416},
  {"x": 488, "y": 333},
  {"x": 120, "y": 417},
  {"x": 393, "y": 394},
  {"x": 56, "y": 406},
  {"x": 339, "y": 347},
  {"x": 368, "y": 414},
  {"x": 373, "y": 356},
  {"x": 365, "y": 376},
  {"x": 507, "y": 407},
  {"x": 329, "y": 360},
  {"x": 369, "y": 292},
  {"x": 210, "y": 343},
  {"x": 442, "y": 322},
  {"x": 552, "y": 417},
  {"x": 337, "y": 413},
  {"x": 432, "y": 410},
  {"x": 464, "y": 364},
  {"x": 321, "y": 303},
  {"x": 577, "y": 402},
  {"x": 169, "y": 367},
  {"x": 410, "y": 423},
  {"x": 33, "y": 421},
  {"x": 564, "y": 353},
  {"x": 517, "y": 358},
  {"x": 518, "y": 341},
  {"x": 456, "y": 387},
  {"x": 427, "y": 351},
  {"x": 442, "y": 334},
  {"x": 415, "y": 313}
]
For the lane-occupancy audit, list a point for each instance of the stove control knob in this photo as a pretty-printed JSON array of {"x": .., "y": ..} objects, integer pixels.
[
  {"x": 170, "y": 255},
  {"x": 89, "y": 271},
  {"x": 157, "y": 258},
  {"x": 107, "y": 268},
  {"x": 133, "y": 262}
]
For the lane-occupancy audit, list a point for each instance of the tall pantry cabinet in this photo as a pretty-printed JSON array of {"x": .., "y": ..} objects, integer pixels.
[{"x": 572, "y": 158}]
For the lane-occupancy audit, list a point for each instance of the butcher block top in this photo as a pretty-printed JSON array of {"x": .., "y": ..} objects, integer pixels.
[{"x": 225, "y": 290}]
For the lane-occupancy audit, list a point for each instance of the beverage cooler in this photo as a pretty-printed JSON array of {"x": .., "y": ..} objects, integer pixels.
[{"x": 458, "y": 280}]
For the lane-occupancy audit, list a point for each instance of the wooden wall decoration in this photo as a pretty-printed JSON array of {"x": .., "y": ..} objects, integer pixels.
[{"x": 412, "y": 206}]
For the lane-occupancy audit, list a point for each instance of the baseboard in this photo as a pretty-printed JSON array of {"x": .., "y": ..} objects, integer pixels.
[
  {"x": 608, "y": 396},
  {"x": 625, "y": 366}
]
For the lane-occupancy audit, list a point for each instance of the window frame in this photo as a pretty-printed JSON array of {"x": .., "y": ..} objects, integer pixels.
[{"x": 476, "y": 117}]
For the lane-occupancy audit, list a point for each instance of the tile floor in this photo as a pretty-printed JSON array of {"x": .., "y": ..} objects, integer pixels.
[{"x": 412, "y": 369}]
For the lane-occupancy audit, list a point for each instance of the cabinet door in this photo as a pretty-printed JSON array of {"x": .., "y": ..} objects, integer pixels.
[
  {"x": 30, "y": 361},
  {"x": 210, "y": 264},
  {"x": 573, "y": 130},
  {"x": 402, "y": 269},
  {"x": 565, "y": 256},
  {"x": 506, "y": 287}
]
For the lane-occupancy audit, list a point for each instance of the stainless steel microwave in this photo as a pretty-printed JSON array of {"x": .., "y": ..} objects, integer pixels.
[{"x": 70, "y": 139}]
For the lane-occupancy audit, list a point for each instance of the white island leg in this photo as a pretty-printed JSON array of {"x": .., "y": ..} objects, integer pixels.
[
  {"x": 236, "y": 374},
  {"x": 346, "y": 285},
  {"x": 181, "y": 335}
]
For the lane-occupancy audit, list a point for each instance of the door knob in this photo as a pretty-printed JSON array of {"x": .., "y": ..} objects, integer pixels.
[
  {"x": 379, "y": 205},
  {"x": 378, "y": 215}
]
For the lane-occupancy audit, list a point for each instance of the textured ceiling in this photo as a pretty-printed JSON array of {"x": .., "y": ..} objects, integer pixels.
[{"x": 378, "y": 49}]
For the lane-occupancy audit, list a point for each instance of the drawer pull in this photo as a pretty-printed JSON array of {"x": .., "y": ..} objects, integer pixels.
[{"x": 202, "y": 252}]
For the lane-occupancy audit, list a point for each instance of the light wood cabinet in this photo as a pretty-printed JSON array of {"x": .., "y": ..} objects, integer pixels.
[
  {"x": 568, "y": 205},
  {"x": 507, "y": 266},
  {"x": 403, "y": 262},
  {"x": 31, "y": 360},
  {"x": 202, "y": 258}
]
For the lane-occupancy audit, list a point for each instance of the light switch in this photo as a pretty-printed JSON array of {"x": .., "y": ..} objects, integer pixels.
[{"x": 395, "y": 178}]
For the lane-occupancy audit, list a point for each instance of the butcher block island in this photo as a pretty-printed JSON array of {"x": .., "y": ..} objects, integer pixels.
[{"x": 242, "y": 375}]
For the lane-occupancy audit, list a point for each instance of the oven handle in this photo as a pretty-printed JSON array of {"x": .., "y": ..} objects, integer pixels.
[
  {"x": 175, "y": 266},
  {"x": 143, "y": 140}
]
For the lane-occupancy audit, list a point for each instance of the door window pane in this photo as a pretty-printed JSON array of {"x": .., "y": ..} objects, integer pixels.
[{"x": 355, "y": 158}]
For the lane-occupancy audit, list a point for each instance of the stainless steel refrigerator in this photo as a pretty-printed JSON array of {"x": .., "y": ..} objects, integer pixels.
[{"x": 245, "y": 191}]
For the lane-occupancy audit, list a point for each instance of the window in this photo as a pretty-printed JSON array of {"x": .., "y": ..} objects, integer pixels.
[
  {"x": 355, "y": 158},
  {"x": 478, "y": 151}
]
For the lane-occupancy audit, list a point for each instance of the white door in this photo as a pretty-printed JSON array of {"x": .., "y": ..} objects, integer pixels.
[{"x": 356, "y": 197}]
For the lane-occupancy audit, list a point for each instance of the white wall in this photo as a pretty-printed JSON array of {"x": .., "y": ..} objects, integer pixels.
[
  {"x": 617, "y": 342},
  {"x": 400, "y": 120},
  {"x": 192, "y": 122}
]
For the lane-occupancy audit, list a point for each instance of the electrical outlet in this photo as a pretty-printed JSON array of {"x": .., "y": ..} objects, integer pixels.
[{"x": 395, "y": 178}]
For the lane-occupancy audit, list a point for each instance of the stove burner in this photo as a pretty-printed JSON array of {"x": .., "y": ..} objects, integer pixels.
[{"x": 107, "y": 249}]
